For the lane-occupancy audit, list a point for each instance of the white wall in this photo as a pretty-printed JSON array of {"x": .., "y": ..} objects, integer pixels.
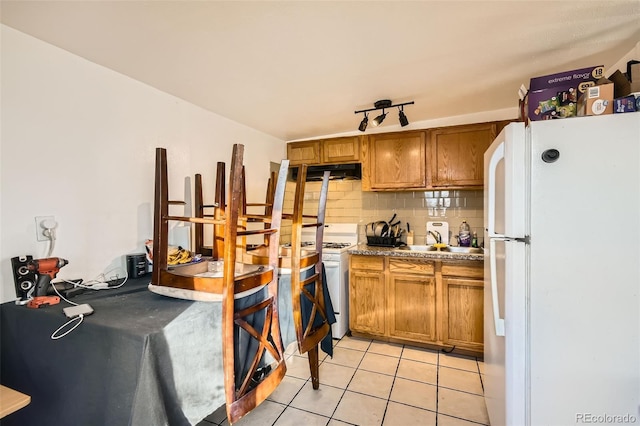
[{"x": 78, "y": 142}]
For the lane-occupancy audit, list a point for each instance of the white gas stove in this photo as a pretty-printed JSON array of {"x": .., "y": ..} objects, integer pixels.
[{"x": 337, "y": 239}]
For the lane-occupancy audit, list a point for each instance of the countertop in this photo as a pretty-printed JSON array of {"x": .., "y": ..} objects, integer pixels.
[{"x": 366, "y": 250}]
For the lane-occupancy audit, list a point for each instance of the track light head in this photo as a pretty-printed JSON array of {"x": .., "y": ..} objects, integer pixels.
[
  {"x": 363, "y": 123},
  {"x": 402, "y": 118},
  {"x": 379, "y": 119}
]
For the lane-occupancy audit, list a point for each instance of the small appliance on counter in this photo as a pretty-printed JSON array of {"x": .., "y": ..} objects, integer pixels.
[{"x": 437, "y": 232}]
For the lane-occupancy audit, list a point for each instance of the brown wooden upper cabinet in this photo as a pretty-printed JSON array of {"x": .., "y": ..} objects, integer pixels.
[
  {"x": 444, "y": 157},
  {"x": 395, "y": 161},
  {"x": 456, "y": 154},
  {"x": 303, "y": 152},
  {"x": 341, "y": 150},
  {"x": 325, "y": 151}
]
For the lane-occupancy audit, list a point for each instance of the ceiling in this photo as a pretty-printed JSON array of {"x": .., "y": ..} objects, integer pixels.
[{"x": 299, "y": 69}]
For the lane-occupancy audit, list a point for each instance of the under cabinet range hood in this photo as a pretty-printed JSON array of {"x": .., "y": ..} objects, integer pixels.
[{"x": 351, "y": 171}]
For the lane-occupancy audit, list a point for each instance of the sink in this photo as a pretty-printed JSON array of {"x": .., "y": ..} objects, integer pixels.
[
  {"x": 449, "y": 249},
  {"x": 470, "y": 250},
  {"x": 418, "y": 248}
]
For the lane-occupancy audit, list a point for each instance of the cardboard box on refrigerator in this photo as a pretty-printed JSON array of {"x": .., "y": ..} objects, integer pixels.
[
  {"x": 556, "y": 95},
  {"x": 598, "y": 99},
  {"x": 626, "y": 104},
  {"x": 627, "y": 83},
  {"x": 622, "y": 86}
]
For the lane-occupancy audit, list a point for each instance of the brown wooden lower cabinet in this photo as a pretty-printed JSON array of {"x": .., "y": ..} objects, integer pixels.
[
  {"x": 367, "y": 298},
  {"x": 426, "y": 302},
  {"x": 412, "y": 303},
  {"x": 463, "y": 313}
]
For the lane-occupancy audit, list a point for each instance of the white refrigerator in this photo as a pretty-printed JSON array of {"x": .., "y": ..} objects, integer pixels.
[{"x": 562, "y": 272}]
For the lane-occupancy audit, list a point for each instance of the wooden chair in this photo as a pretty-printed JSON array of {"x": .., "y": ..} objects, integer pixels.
[
  {"x": 215, "y": 250},
  {"x": 309, "y": 290},
  {"x": 312, "y": 328},
  {"x": 312, "y": 325},
  {"x": 246, "y": 294},
  {"x": 218, "y": 206}
]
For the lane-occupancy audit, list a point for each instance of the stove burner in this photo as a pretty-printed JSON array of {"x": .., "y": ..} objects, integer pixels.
[
  {"x": 335, "y": 245},
  {"x": 303, "y": 244},
  {"x": 324, "y": 245}
]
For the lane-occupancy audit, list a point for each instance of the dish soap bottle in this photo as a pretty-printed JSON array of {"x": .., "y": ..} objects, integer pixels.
[
  {"x": 474, "y": 240},
  {"x": 464, "y": 235}
]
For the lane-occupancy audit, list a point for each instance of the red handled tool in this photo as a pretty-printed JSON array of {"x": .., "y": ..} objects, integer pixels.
[{"x": 47, "y": 269}]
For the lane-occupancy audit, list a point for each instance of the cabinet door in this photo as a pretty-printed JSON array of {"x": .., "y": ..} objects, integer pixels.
[
  {"x": 341, "y": 150},
  {"x": 303, "y": 152},
  {"x": 463, "y": 315},
  {"x": 412, "y": 307},
  {"x": 457, "y": 154},
  {"x": 397, "y": 161},
  {"x": 367, "y": 304}
]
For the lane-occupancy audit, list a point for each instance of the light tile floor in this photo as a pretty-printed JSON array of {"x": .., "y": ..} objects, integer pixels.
[{"x": 372, "y": 383}]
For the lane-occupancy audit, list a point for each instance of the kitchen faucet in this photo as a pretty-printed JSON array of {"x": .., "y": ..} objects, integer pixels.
[{"x": 436, "y": 235}]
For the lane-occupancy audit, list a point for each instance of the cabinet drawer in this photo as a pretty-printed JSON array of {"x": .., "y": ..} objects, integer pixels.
[
  {"x": 463, "y": 270},
  {"x": 369, "y": 263},
  {"x": 411, "y": 266}
]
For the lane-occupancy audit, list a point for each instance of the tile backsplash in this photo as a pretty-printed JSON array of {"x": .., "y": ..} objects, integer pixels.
[{"x": 347, "y": 203}]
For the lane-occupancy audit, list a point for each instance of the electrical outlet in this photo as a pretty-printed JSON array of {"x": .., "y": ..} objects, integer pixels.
[{"x": 41, "y": 221}]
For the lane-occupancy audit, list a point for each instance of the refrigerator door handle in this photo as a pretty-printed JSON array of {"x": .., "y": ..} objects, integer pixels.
[
  {"x": 496, "y": 157},
  {"x": 497, "y": 321}
]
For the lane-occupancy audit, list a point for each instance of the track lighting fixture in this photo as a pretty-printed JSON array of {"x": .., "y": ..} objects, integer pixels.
[
  {"x": 363, "y": 123},
  {"x": 383, "y": 104},
  {"x": 402, "y": 118}
]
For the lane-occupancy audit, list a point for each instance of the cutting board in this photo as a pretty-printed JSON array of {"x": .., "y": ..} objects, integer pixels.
[{"x": 442, "y": 228}]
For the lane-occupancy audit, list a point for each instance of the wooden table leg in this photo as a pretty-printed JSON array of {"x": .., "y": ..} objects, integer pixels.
[{"x": 313, "y": 366}]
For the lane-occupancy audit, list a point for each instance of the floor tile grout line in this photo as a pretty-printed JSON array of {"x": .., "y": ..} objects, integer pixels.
[
  {"x": 294, "y": 397},
  {"x": 345, "y": 388},
  {"x": 480, "y": 374},
  {"x": 466, "y": 420},
  {"x": 437, "y": 385},
  {"x": 336, "y": 387},
  {"x": 386, "y": 407},
  {"x": 344, "y": 391}
]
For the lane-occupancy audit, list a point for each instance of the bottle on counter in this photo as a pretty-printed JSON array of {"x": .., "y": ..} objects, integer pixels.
[
  {"x": 464, "y": 234},
  {"x": 474, "y": 240}
]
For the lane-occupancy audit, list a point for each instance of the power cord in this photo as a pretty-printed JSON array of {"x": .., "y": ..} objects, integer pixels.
[
  {"x": 50, "y": 232},
  {"x": 62, "y": 297},
  {"x": 101, "y": 282},
  {"x": 79, "y": 318}
]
